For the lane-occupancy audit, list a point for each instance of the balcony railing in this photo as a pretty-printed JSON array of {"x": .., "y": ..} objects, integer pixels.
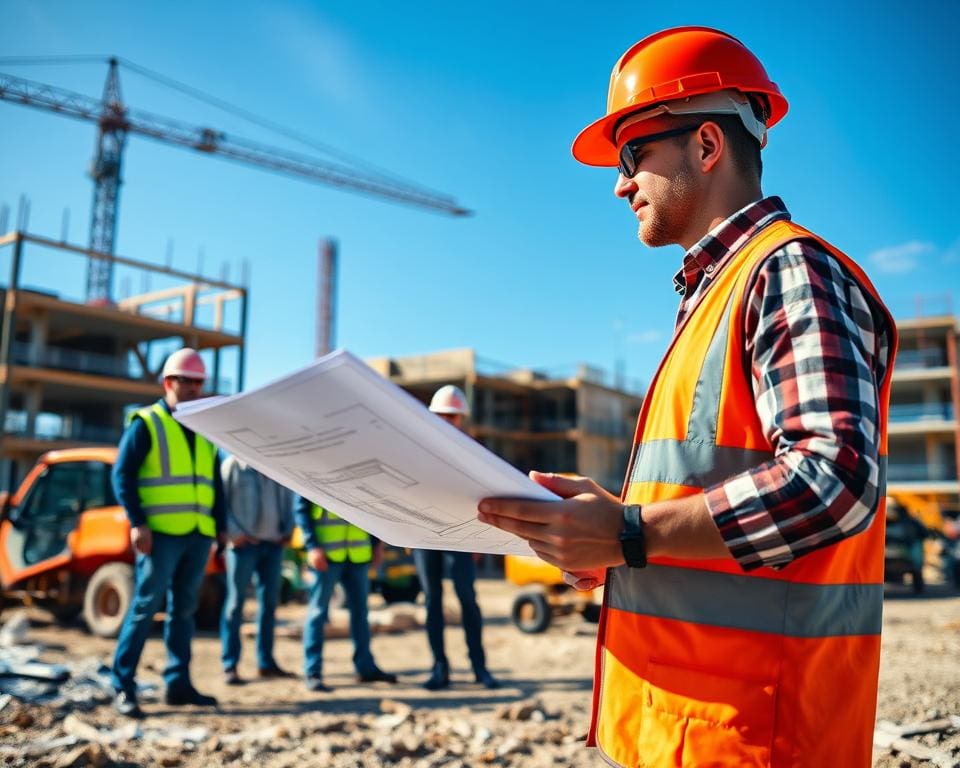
[
  {"x": 607, "y": 427},
  {"x": 65, "y": 359},
  {"x": 51, "y": 426},
  {"x": 927, "y": 357},
  {"x": 905, "y": 471},
  {"x": 921, "y": 412}
]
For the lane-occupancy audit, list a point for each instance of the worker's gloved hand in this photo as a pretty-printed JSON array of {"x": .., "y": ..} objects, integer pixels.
[
  {"x": 141, "y": 539},
  {"x": 317, "y": 560},
  {"x": 584, "y": 581}
]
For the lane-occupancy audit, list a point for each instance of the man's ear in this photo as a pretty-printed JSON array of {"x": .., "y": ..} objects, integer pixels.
[{"x": 712, "y": 144}]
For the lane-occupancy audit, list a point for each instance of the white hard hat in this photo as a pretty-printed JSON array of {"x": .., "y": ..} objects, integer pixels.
[
  {"x": 450, "y": 399},
  {"x": 185, "y": 362}
]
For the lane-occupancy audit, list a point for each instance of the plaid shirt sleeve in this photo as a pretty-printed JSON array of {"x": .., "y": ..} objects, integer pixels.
[{"x": 816, "y": 356}]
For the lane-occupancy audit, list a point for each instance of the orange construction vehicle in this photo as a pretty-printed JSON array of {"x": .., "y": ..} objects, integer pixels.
[{"x": 65, "y": 544}]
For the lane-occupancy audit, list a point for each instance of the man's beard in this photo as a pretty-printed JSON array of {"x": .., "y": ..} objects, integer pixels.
[{"x": 668, "y": 220}]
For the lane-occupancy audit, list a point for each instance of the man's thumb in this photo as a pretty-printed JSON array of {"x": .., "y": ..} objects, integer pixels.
[{"x": 562, "y": 485}]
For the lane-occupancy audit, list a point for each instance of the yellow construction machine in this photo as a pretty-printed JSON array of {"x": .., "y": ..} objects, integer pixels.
[{"x": 546, "y": 594}]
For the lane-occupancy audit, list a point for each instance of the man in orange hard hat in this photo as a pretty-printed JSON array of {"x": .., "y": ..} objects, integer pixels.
[
  {"x": 743, "y": 561},
  {"x": 168, "y": 480}
]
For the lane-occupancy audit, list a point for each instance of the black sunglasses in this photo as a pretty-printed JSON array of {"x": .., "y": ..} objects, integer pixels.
[
  {"x": 186, "y": 380},
  {"x": 629, "y": 160}
]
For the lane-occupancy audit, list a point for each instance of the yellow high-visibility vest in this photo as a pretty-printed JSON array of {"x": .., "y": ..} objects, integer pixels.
[
  {"x": 175, "y": 486},
  {"x": 340, "y": 540}
]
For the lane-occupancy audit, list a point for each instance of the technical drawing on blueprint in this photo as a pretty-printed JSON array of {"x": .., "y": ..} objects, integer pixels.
[{"x": 357, "y": 444}]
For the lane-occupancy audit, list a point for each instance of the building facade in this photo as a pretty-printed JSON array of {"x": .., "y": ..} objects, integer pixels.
[
  {"x": 924, "y": 403},
  {"x": 578, "y": 423},
  {"x": 70, "y": 371}
]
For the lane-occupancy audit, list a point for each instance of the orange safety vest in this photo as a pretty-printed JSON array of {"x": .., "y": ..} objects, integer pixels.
[{"x": 698, "y": 662}]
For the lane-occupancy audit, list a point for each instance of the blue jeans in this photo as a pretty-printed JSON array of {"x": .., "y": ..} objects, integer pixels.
[
  {"x": 356, "y": 584},
  {"x": 463, "y": 572},
  {"x": 263, "y": 559},
  {"x": 175, "y": 566}
]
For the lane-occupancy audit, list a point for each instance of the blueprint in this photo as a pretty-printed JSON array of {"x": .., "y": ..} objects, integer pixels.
[{"x": 358, "y": 445}]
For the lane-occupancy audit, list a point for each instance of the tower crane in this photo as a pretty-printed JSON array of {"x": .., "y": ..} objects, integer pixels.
[{"x": 115, "y": 121}]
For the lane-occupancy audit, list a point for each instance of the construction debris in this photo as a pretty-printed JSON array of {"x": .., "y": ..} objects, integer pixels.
[
  {"x": 15, "y": 629},
  {"x": 538, "y": 719},
  {"x": 893, "y": 737}
]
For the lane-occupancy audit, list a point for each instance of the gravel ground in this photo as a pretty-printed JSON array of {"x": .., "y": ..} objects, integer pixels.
[{"x": 538, "y": 718}]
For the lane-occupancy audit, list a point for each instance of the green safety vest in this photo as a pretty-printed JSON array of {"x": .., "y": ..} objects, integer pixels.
[
  {"x": 175, "y": 486},
  {"x": 339, "y": 539}
]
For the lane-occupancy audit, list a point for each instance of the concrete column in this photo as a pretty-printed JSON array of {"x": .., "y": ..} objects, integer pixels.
[
  {"x": 32, "y": 404},
  {"x": 39, "y": 331}
]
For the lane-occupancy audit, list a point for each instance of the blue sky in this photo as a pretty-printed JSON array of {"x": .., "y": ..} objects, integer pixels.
[{"x": 480, "y": 101}]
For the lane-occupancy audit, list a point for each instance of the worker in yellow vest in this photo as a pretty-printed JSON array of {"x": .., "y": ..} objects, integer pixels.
[
  {"x": 168, "y": 480},
  {"x": 339, "y": 553},
  {"x": 743, "y": 561}
]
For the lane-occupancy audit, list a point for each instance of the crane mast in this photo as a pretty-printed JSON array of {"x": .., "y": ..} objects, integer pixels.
[{"x": 105, "y": 171}]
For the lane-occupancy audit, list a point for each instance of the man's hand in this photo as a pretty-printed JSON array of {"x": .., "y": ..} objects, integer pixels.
[
  {"x": 141, "y": 539},
  {"x": 317, "y": 560},
  {"x": 580, "y": 533},
  {"x": 377, "y": 554},
  {"x": 220, "y": 543},
  {"x": 240, "y": 540}
]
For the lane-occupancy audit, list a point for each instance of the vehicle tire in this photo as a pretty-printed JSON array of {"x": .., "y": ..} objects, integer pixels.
[
  {"x": 213, "y": 594},
  {"x": 397, "y": 593},
  {"x": 107, "y": 597},
  {"x": 531, "y": 612}
]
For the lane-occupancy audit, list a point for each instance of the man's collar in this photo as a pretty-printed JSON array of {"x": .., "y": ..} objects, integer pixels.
[{"x": 725, "y": 238}]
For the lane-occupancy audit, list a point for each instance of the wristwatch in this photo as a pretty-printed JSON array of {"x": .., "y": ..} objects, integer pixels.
[{"x": 633, "y": 541}]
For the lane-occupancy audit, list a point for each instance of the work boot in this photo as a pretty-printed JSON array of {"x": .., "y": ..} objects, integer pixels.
[
  {"x": 187, "y": 694},
  {"x": 230, "y": 677},
  {"x": 439, "y": 677},
  {"x": 487, "y": 680},
  {"x": 377, "y": 676},
  {"x": 315, "y": 683},
  {"x": 126, "y": 704},
  {"x": 274, "y": 671}
]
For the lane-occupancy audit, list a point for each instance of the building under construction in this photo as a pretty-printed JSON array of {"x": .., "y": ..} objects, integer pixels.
[
  {"x": 924, "y": 402},
  {"x": 578, "y": 422},
  {"x": 70, "y": 371}
]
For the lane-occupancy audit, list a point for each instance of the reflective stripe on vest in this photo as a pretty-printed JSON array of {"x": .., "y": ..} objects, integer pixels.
[
  {"x": 176, "y": 486},
  {"x": 340, "y": 540},
  {"x": 700, "y": 662}
]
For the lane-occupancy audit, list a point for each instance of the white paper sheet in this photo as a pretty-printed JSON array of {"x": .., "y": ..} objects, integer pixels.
[{"x": 357, "y": 444}]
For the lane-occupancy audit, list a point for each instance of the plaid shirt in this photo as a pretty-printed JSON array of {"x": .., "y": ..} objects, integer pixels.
[{"x": 817, "y": 347}]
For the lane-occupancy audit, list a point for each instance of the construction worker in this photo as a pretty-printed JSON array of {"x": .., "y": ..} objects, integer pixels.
[
  {"x": 339, "y": 553},
  {"x": 168, "y": 480},
  {"x": 450, "y": 404},
  {"x": 743, "y": 561},
  {"x": 259, "y": 526}
]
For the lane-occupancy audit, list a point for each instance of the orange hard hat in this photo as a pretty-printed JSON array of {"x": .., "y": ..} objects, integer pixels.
[
  {"x": 674, "y": 65},
  {"x": 185, "y": 362}
]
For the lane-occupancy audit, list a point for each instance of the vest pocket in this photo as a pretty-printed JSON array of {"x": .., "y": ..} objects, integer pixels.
[{"x": 697, "y": 718}]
